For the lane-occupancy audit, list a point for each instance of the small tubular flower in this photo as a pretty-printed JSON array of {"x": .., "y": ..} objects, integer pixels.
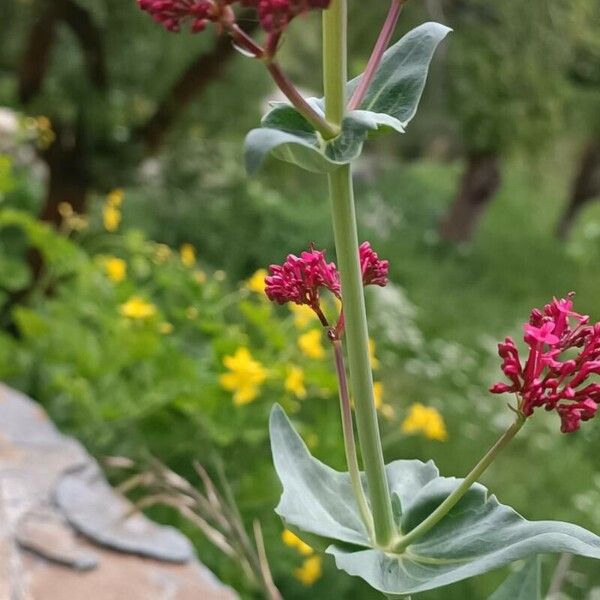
[
  {"x": 172, "y": 14},
  {"x": 300, "y": 278},
  {"x": 275, "y": 15},
  {"x": 553, "y": 377},
  {"x": 374, "y": 271}
]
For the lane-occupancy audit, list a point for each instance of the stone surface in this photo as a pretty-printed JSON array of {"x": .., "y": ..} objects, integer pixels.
[
  {"x": 48, "y": 534},
  {"x": 92, "y": 507},
  {"x": 66, "y": 535}
]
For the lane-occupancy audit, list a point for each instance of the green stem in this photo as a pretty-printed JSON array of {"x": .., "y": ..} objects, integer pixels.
[
  {"x": 446, "y": 506},
  {"x": 349, "y": 443},
  {"x": 346, "y": 243}
]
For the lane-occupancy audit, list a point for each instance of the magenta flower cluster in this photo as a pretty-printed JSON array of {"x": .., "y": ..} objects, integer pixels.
[
  {"x": 564, "y": 351},
  {"x": 173, "y": 13},
  {"x": 300, "y": 278},
  {"x": 374, "y": 271},
  {"x": 274, "y": 15}
]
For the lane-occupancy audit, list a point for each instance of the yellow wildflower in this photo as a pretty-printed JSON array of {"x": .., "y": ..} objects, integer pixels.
[
  {"x": 71, "y": 221},
  {"x": 294, "y": 382},
  {"x": 111, "y": 211},
  {"x": 256, "y": 283},
  {"x": 311, "y": 345},
  {"x": 162, "y": 253},
  {"x": 191, "y": 312},
  {"x": 45, "y": 133},
  {"x": 310, "y": 571},
  {"x": 200, "y": 276},
  {"x": 65, "y": 210},
  {"x": 372, "y": 357},
  {"x": 115, "y": 198},
  {"x": 293, "y": 541},
  {"x": 111, "y": 217},
  {"x": 303, "y": 315},
  {"x": 385, "y": 409},
  {"x": 378, "y": 394},
  {"x": 165, "y": 328},
  {"x": 245, "y": 376},
  {"x": 116, "y": 269},
  {"x": 425, "y": 420},
  {"x": 137, "y": 308},
  {"x": 187, "y": 253}
]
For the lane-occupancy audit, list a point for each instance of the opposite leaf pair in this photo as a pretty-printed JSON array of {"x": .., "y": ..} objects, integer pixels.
[{"x": 478, "y": 535}]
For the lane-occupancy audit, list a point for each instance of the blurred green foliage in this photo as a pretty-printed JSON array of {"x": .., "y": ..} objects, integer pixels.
[
  {"x": 131, "y": 386},
  {"x": 515, "y": 77}
]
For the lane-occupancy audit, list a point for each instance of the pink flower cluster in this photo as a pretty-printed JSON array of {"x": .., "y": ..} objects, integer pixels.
[
  {"x": 564, "y": 350},
  {"x": 374, "y": 270},
  {"x": 172, "y": 13},
  {"x": 300, "y": 278},
  {"x": 274, "y": 15}
]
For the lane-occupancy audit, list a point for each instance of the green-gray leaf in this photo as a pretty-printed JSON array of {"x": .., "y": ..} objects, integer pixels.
[
  {"x": 478, "y": 535},
  {"x": 316, "y": 498},
  {"x": 398, "y": 84},
  {"x": 294, "y": 147},
  {"x": 524, "y": 584},
  {"x": 290, "y": 137}
]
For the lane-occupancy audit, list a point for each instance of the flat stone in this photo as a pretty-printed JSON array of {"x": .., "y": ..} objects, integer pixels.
[
  {"x": 65, "y": 534},
  {"x": 24, "y": 421},
  {"x": 48, "y": 534},
  {"x": 94, "y": 509},
  {"x": 121, "y": 577}
]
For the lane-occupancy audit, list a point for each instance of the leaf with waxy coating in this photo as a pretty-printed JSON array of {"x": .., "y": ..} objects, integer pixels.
[
  {"x": 524, "y": 584},
  {"x": 478, "y": 535},
  {"x": 399, "y": 81}
]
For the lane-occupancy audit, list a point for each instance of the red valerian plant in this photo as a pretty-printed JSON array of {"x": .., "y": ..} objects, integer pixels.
[
  {"x": 274, "y": 15},
  {"x": 401, "y": 526},
  {"x": 300, "y": 279},
  {"x": 552, "y": 377}
]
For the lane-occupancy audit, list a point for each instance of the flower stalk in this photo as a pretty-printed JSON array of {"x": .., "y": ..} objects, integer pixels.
[
  {"x": 346, "y": 243},
  {"x": 348, "y": 432},
  {"x": 326, "y": 129},
  {"x": 452, "y": 500},
  {"x": 383, "y": 41}
]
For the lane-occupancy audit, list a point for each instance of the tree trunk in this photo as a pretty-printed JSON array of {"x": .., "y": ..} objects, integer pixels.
[
  {"x": 585, "y": 188},
  {"x": 68, "y": 174},
  {"x": 479, "y": 184}
]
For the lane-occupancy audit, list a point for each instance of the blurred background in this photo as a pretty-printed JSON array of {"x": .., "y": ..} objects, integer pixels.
[{"x": 131, "y": 243}]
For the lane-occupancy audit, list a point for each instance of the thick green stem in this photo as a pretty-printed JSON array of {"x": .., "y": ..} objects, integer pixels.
[
  {"x": 335, "y": 69},
  {"x": 357, "y": 343},
  {"x": 446, "y": 506},
  {"x": 346, "y": 243},
  {"x": 349, "y": 443}
]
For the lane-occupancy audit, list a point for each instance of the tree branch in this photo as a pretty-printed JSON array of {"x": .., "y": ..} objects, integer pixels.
[
  {"x": 38, "y": 50},
  {"x": 193, "y": 81},
  {"x": 82, "y": 25}
]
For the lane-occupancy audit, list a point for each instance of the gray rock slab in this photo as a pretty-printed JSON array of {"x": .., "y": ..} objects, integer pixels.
[
  {"x": 48, "y": 534},
  {"x": 94, "y": 509},
  {"x": 65, "y": 534}
]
